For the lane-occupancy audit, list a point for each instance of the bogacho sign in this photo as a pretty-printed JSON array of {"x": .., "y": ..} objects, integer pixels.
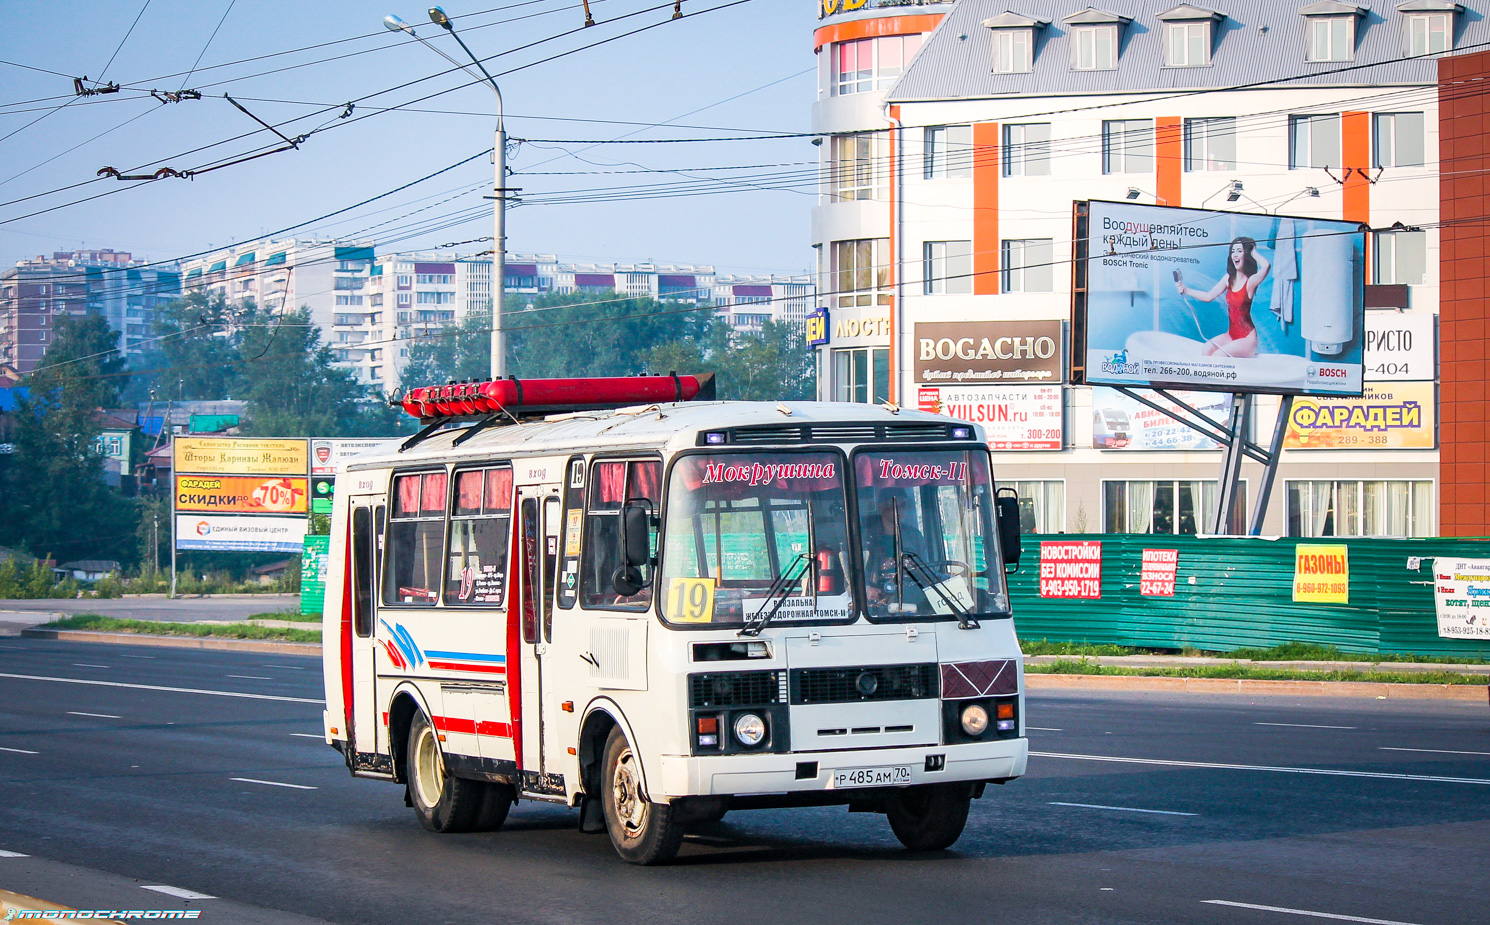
[{"x": 989, "y": 352}]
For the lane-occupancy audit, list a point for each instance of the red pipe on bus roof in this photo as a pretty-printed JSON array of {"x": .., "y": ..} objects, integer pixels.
[{"x": 550, "y": 395}]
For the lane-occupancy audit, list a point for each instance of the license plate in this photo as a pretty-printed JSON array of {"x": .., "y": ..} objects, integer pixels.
[{"x": 871, "y": 777}]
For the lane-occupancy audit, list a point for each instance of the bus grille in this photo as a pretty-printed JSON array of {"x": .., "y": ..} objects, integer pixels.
[
  {"x": 736, "y": 688},
  {"x": 856, "y": 685}
]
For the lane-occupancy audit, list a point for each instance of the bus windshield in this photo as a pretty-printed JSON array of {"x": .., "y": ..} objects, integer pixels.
[
  {"x": 926, "y": 525},
  {"x": 749, "y": 534}
]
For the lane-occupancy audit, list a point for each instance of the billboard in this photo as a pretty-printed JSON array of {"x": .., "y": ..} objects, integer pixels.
[
  {"x": 1388, "y": 416},
  {"x": 1015, "y": 417},
  {"x": 1400, "y": 347},
  {"x": 988, "y": 352},
  {"x": 238, "y": 456},
  {"x": 242, "y": 494},
  {"x": 1461, "y": 597},
  {"x": 1218, "y": 301},
  {"x": 1120, "y": 423},
  {"x": 216, "y": 533},
  {"x": 327, "y": 456}
]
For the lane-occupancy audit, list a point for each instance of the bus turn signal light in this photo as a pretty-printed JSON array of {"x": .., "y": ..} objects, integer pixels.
[{"x": 1005, "y": 711}]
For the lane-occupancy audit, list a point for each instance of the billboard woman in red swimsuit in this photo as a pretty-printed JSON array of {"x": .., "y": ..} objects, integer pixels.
[{"x": 1245, "y": 271}]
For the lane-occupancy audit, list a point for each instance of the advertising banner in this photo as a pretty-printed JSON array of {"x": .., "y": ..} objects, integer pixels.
[
  {"x": 988, "y": 352},
  {"x": 1321, "y": 574},
  {"x": 1400, "y": 347},
  {"x": 817, "y": 328},
  {"x": 241, "y": 494},
  {"x": 215, "y": 533},
  {"x": 314, "y": 562},
  {"x": 1388, "y": 416},
  {"x": 1120, "y": 423},
  {"x": 1222, "y": 301},
  {"x": 1461, "y": 596},
  {"x": 238, "y": 456},
  {"x": 1071, "y": 569},
  {"x": 1030, "y": 417},
  {"x": 327, "y": 456},
  {"x": 1157, "y": 573}
]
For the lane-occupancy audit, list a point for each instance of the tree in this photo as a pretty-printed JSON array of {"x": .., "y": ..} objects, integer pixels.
[
  {"x": 772, "y": 365},
  {"x": 460, "y": 351},
  {"x": 594, "y": 334},
  {"x": 193, "y": 353}
]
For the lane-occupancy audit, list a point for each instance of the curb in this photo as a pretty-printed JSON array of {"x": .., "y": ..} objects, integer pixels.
[
  {"x": 179, "y": 642},
  {"x": 1476, "y": 693}
]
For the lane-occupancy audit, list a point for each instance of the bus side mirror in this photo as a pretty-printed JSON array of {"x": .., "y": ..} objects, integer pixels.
[
  {"x": 1007, "y": 506},
  {"x": 636, "y": 539}
]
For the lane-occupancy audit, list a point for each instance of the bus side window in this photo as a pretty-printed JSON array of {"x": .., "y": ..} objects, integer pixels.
[
  {"x": 480, "y": 530},
  {"x": 362, "y": 565},
  {"x": 612, "y": 483},
  {"x": 416, "y": 536},
  {"x": 552, "y": 530}
]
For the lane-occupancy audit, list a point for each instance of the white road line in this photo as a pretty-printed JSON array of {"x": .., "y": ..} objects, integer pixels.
[
  {"x": 156, "y": 687},
  {"x": 138, "y": 656},
  {"x": 1303, "y": 726},
  {"x": 86, "y": 665},
  {"x": 19, "y": 751},
  {"x": 1434, "y": 751},
  {"x": 98, "y": 715},
  {"x": 250, "y": 677},
  {"x": 1125, "y": 809},
  {"x": 309, "y": 735},
  {"x": 287, "y": 667},
  {"x": 13, "y": 854},
  {"x": 1327, "y": 772},
  {"x": 273, "y": 783},
  {"x": 177, "y": 892},
  {"x": 1308, "y": 912},
  {"x": 1042, "y": 729}
]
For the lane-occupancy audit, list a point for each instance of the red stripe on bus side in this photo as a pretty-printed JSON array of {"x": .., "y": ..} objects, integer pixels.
[
  {"x": 514, "y": 655},
  {"x": 472, "y": 727},
  {"x": 462, "y": 666},
  {"x": 346, "y": 634}
]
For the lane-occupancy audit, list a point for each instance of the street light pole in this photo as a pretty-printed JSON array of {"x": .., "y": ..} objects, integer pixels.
[{"x": 499, "y": 160}]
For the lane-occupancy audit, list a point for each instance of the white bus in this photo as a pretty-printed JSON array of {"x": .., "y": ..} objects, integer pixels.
[{"x": 658, "y": 613}]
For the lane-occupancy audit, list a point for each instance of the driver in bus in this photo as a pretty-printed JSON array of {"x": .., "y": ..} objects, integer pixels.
[{"x": 880, "y": 573}]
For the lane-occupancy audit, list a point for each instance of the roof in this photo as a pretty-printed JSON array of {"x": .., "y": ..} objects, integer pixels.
[
  {"x": 673, "y": 425},
  {"x": 92, "y": 565},
  {"x": 1260, "y": 42}
]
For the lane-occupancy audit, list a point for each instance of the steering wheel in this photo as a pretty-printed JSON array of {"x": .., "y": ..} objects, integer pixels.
[{"x": 953, "y": 567}]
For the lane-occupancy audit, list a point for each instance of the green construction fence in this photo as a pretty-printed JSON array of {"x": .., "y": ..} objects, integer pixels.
[{"x": 1235, "y": 592}]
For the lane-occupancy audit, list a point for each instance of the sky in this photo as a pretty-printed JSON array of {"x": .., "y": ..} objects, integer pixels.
[{"x": 728, "y": 68}]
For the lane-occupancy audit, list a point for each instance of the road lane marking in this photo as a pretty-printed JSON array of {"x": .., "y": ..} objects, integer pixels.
[
  {"x": 1303, "y": 726},
  {"x": 98, "y": 715},
  {"x": 1308, "y": 912},
  {"x": 177, "y": 892},
  {"x": 138, "y": 656},
  {"x": 19, "y": 751},
  {"x": 250, "y": 677},
  {"x": 1434, "y": 751},
  {"x": 86, "y": 665},
  {"x": 1042, "y": 729},
  {"x": 1125, "y": 809},
  {"x": 273, "y": 783},
  {"x": 287, "y": 667},
  {"x": 156, "y": 687},
  {"x": 309, "y": 735},
  {"x": 1327, "y": 772},
  {"x": 13, "y": 854}
]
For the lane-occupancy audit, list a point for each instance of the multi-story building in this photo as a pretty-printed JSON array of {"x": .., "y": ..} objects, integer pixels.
[
  {"x": 125, "y": 291},
  {"x": 410, "y": 296},
  {"x": 323, "y": 276},
  {"x": 957, "y": 137}
]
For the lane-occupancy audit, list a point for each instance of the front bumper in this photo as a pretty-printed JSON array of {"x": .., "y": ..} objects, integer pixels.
[{"x": 742, "y": 775}]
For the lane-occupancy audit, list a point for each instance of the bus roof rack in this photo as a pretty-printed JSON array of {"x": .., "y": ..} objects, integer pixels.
[{"x": 494, "y": 402}]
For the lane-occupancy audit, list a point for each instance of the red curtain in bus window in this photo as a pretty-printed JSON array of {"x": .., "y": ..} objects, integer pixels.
[
  {"x": 646, "y": 481},
  {"x": 406, "y": 497},
  {"x": 433, "y": 499},
  {"x": 498, "y": 490},
  {"x": 468, "y": 492},
  {"x": 610, "y": 485}
]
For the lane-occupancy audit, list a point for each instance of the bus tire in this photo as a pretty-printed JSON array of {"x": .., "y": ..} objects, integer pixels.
[
  {"x": 929, "y": 817},
  {"x": 642, "y": 832},
  {"x": 496, "y": 801},
  {"x": 443, "y": 803}
]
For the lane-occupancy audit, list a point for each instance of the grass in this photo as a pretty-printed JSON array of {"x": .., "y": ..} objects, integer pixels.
[
  {"x": 92, "y": 621},
  {"x": 292, "y": 616},
  {"x": 1287, "y": 652},
  {"x": 1088, "y": 667}
]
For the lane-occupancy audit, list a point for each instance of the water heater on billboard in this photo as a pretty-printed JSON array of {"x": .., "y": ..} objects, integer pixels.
[{"x": 1327, "y": 281}]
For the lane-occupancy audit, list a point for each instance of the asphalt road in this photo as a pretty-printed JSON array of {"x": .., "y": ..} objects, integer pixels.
[
  {"x": 1239, "y": 812},
  {"x": 17, "y": 614}
]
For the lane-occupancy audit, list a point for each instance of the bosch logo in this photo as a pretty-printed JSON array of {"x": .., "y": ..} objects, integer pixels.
[{"x": 1331, "y": 373}]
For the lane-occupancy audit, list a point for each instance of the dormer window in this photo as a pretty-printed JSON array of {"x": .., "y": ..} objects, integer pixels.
[
  {"x": 1095, "y": 35},
  {"x": 1330, "y": 30},
  {"x": 1188, "y": 35},
  {"x": 1428, "y": 25},
  {"x": 1013, "y": 42}
]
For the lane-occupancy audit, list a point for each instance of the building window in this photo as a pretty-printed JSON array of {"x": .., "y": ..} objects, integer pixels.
[
  {"x": 1399, "y": 139},
  {"x": 1210, "y": 144},
  {"x": 349, "y": 300},
  {"x": 1332, "y": 38},
  {"x": 1187, "y": 44},
  {"x": 436, "y": 298},
  {"x": 406, "y": 298},
  {"x": 861, "y": 272},
  {"x": 1359, "y": 508},
  {"x": 1094, "y": 48},
  {"x": 348, "y": 282},
  {"x": 1012, "y": 51},
  {"x": 1128, "y": 146},
  {"x": 1313, "y": 141},
  {"x": 947, "y": 267},
  {"x": 1027, "y": 265},
  {"x": 865, "y": 65},
  {"x": 405, "y": 282},
  {"x": 434, "y": 279},
  {"x": 1027, "y": 150},
  {"x": 1430, "y": 33},
  {"x": 862, "y": 375},
  {"x": 1401, "y": 258},
  {"x": 375, "y": 299},
  {"x": 1042, "y": 505},
  {"x": 858, "y": 169},
  {"x": 948, "y": 152},
  {"x": 1166, "y": 506}
]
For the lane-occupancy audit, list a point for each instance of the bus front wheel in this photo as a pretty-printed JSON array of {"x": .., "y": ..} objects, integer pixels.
[
  {"x": 929, "y": 817},
  {"x": 442, "y": 802},
  {"x": 642, "y": 832}
]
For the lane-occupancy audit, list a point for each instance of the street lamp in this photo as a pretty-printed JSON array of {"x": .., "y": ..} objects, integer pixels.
[{"x": 499, "y": 236}]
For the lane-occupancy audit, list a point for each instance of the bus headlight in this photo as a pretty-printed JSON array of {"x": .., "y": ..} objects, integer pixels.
[
  {"x": 974, "y": 719},
  {"x": 750, "y": 729}
]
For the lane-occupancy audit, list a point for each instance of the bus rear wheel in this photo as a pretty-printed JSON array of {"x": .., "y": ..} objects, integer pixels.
[
  {"x": 642, "y": 832},
  {"x": 442, "y": 802},
  {"x": 929, "y": 817}
]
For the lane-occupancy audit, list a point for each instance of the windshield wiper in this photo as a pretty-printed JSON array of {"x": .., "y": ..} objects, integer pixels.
[
  {"x": 777, "y": 594},
  {"x": 914, "y": 563}
]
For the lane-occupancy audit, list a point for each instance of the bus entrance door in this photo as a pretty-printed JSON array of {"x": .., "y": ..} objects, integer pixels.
[
  {"x": 537, "y": 551},
  {"x": 359, "y": 640}
]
